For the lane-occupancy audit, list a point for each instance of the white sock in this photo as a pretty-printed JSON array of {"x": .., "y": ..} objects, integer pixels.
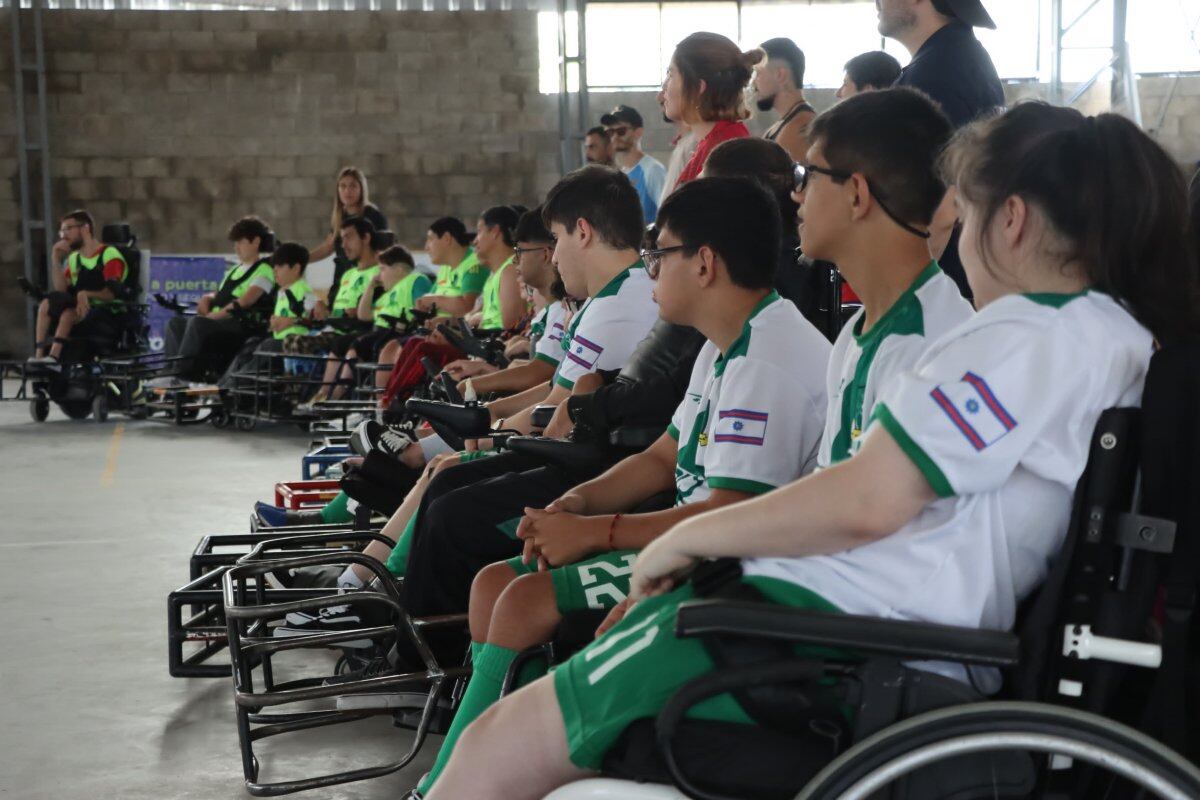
[
  {"x": 351, "y": 505},
  {"x": 348, "y": 580}
]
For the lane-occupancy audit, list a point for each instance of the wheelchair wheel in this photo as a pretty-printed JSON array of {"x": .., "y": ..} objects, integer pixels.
[
  {"x": 76, "y": 409},
  {"x": 100, "y": 407},
  {"x": 885, "y": 758},
  {"x": 39, "y": 406},
  {"x": 219, "y": 418},
  {"x": 245, "y": 423}
]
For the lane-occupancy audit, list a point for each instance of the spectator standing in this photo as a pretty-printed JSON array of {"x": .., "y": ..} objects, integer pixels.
[
  {"x": 625, "y": 129},
  {"x": 779, "y": 86},
  {"x": 867, "y": 72}
]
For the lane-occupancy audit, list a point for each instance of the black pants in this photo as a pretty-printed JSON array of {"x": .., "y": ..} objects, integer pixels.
[
  {"x": 466, "y": 522},
  {"x": 204, "y": 345}
]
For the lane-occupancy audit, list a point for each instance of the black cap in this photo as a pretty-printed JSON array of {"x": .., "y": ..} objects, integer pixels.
[
  {"x": 971, "y": 12},
  {"x": 623, "y": 114}
]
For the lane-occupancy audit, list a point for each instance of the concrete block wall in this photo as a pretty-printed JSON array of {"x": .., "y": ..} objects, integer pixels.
[{"x": 181, "y": 122}]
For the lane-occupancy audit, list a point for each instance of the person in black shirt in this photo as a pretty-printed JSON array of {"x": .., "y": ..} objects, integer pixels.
[
  {"x": 951, "y": 66},
  {"x": 779, "y": 86},
  {"x": 351, "y": 199}
]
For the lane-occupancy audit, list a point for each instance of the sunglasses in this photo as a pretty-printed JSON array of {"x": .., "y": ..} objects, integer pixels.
[{"x": 802, "y": 175}]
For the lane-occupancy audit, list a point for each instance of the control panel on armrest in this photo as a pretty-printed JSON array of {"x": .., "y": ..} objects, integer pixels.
[
  {"x": 542, "y": 415},
  {"x": 469, "y": 420},
  {"x": 867, "y": 635}
]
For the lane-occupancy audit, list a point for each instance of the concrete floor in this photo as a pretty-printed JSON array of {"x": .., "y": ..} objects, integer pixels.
[{"x": 96, "y": 524}]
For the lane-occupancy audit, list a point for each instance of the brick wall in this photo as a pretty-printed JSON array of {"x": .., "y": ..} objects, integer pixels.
[{"x": 180, "y": 122}]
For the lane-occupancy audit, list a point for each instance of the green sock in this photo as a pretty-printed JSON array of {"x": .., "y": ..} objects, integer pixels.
[
  {"x": 489, "y": 665},
  {"x": 335, "y": 510},
  {"x": 397, "y": 562}
]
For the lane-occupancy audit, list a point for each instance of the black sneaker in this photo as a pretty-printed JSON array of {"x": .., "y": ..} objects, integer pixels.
[
  {"x": 351, "y": 670},
  {"x": 325, "y": 620},
  {"x": 372, "y": 435}
]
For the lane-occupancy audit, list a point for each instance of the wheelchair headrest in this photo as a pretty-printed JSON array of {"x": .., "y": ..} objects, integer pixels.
[
  {"x": 383, "y": 239},
  {"x": 118, "y": 234}
]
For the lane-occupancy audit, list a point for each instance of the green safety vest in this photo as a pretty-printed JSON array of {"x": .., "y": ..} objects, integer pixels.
[
  {"x": 354, "y": 283},
  {"x": 466, "y": 278},
  {"x": 87, "y": 274},
  {"x": 289, "y": 302},
  {"x": 493, "y": 318},
  {"x": 398, "y": 300}
]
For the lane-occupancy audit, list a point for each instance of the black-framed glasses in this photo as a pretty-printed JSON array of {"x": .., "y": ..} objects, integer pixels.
[
  {"x": 802, "y": 174},
  {"x": 520, "y": 251},
  {"x": 653, "y": 259}
]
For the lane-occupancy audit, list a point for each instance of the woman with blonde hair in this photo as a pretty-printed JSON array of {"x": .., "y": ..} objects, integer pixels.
[
  {"x": 351, "y": 199},
  {"x": 705, "y": 88}
]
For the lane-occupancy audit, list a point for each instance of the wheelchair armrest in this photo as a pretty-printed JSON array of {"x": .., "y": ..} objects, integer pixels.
[
  {"x": 869, "y": 635},
  {"x": 634, "y": 438},
  {"x": 468, "y": 421},
  {"x": 562, "y": 452},
  {"x": 542, "y": 415}
]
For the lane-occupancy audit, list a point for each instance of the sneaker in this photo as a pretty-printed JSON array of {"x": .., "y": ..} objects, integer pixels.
[
  {"x": 320, "y": 577},
  {"x": 169, "y": 382},
  {"x": 41, "y": 360},
  {"x": 325, "y": 620},
  {"x": 277, "y": 517},
  {"x": 372, "y": 435},
  {"x": 354, "y": 670},
  {"x": 356, "y": 419}
]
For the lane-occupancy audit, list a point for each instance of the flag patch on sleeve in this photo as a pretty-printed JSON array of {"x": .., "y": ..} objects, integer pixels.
[
  {"x": 584, "y": 352},
  {"x": 741, "y": 426},
  {"x": 556, "y": 333},
  {"x": 974, "y": 409}
]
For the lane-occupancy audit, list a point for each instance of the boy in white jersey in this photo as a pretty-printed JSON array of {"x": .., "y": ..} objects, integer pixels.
[
  {"x": 751, "y": 421},
  {"x": 978, "y": 419}
]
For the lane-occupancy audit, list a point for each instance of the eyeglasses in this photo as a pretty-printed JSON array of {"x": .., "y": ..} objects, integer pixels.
[
  {"x": 653, "y": 259},
  {"x": 65, "y": 229},
  {"x": 802, "y": 174},
  {"x": 520, "y": 251}
]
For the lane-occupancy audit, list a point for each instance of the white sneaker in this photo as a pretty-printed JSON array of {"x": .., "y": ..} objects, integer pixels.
[{"x": 169, "y": 382}]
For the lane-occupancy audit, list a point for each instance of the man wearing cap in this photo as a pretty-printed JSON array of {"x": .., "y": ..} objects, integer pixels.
[
  {"x": 779, "y": 85},
  {"x": 624, "y": 127},
  {"x": 951, "y": 66}
]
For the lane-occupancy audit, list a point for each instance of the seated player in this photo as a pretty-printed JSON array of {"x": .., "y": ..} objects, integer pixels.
[
  {"x": 82, "y": 304},
  {"x": 385, "y": 302},
  {"x": 460, "y": 276},
  {"x": 358, "y": 242},
  {"x": 595, "y": 216},
  {"x": 887, "y": 262},
  {"x": 533, "y": 260},
  {"x": 226, "y": 318},
  {"x": 751, "y": 422},
  {"x": 960, "y": 493},
  {"x": 295, "y": 302},
  {"x": 501, "y": 306}
]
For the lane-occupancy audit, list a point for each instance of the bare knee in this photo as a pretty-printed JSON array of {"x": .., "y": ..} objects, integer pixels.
[
  {"x": 489, "y": 583},
  {"x": 526, "y": 613}
]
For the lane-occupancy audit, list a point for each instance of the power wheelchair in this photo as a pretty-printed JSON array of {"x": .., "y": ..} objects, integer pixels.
[
  {"x": 1096, "y": 698},
  {"x": 93, "y": 377}
]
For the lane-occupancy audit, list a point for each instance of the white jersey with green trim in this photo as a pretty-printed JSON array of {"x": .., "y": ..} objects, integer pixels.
[
  {"x": 863, "y": 364},
  {"x": 604, "y": 332},
  {"x": 998, "y": 415},
  {"x": 550, "y": 327},
  {"x": 752, "y": 418}
]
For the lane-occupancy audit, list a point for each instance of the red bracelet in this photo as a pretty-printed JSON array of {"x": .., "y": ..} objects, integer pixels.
[{"x": 612, "y": 529}]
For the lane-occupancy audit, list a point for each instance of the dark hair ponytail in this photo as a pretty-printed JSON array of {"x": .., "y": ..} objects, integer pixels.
[
  {"x": 1113, "y": 195},
  {"x": 505, "y": 218}
]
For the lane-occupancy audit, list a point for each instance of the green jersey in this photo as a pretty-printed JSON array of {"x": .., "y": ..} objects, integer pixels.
[
  {"x": 468, "y": 277},
  {"x": 493, "y": 317},
  {"x": 398, "y": 300},
  {"x": 296, "y": 301},
  {"x": 354, "y": 283}
]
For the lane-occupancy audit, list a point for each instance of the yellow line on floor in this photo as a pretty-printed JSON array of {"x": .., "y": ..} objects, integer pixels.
[{"x": 110, "y": 463}]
